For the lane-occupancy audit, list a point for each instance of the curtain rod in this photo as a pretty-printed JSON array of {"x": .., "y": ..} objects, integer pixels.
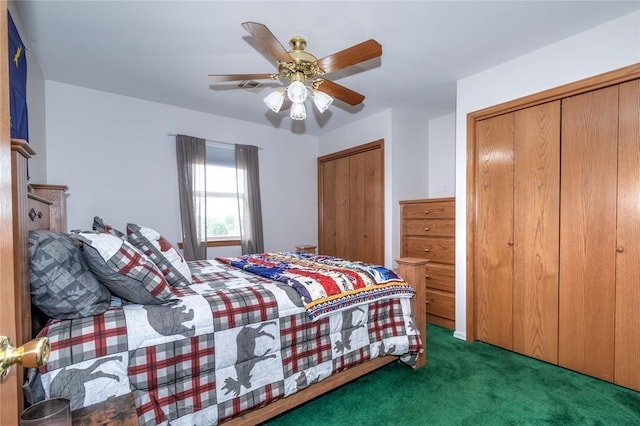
[{"x": 212, "y": 141}]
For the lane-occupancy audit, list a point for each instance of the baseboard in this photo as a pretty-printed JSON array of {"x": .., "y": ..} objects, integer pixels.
[{"x": 460, "y": 335}]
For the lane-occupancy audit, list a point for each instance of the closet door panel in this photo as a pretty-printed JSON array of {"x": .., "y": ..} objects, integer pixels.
[
  {"x": 373, "y": 251},
  {"x": 494, "y": 265},
  {"x": 335, "y": 208},
  {"x": 536, "y": 230},
  {"x": 357, "y": 211},
  {"x": 627, "y": 334},
  {"x": 588, "y": 224}
]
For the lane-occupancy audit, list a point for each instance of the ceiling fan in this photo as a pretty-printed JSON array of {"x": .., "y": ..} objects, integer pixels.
[{"x": 300, "y": 67}]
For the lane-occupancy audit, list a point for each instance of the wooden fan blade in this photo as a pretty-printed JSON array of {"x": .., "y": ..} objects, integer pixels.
[
  {"x": 353, "y": 55},
  {"x": 340, "y": 92},
  {"x": 268, "y": 41},
  {"x": 238, "y": 77}
]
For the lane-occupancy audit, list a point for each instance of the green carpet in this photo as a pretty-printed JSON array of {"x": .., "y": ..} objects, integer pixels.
[{"x": 470, "y": 384}]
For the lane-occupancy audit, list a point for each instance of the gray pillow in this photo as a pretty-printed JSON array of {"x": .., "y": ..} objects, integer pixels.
[
  {"x": 62, "y": 285},
  {"x": 127, "y": 272}
]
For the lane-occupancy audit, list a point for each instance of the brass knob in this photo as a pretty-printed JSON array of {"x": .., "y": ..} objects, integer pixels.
[
  {"x": 426, "y": 228},
  {"x": 427, "y": 276},
  {"x": 428, "y": 301},
  {"x": 427, "y": 250},
  {"x": 427, "y": 212},
  {"x": 619, "y": 249},
  {"x": 33, "y": 354},
  {"x": 510, "y": 243}
]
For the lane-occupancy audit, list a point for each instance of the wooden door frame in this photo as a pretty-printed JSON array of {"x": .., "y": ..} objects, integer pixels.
[
  {"x": 618, "y": 76},
  {"x": 10, "y": 394},
  {"x": 378, "y": 144}
]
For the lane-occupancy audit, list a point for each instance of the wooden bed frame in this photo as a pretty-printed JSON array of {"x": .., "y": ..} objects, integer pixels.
[{"x": 121, "y": 410}]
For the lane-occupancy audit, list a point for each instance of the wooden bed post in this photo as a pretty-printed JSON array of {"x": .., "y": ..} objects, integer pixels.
[{"x": 413, "y": 270}]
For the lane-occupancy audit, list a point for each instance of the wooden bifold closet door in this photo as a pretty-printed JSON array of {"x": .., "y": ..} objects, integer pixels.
[
  {"x": 588, "y": 239},
  {"x": 556, "y": 236},
  {"x": 351, "y": 203},
  {"x": 517, "y": 264}
]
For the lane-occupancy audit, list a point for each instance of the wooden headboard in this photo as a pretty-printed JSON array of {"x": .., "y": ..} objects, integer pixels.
[{"x": 42, "y": 207}]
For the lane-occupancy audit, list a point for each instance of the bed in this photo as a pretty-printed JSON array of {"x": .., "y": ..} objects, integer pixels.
[{"x": 236, "y": 344}]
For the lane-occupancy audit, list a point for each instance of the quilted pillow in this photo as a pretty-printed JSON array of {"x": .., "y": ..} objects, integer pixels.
[
  {"x": 62, "y": 285},
  {"x": 173, "y": 266},
  {"x": 128, "y": 273},
  {"x": 100, "y": 226}
]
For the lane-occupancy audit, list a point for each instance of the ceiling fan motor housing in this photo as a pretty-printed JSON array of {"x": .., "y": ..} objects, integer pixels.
[{"x": 303, "y": 67}]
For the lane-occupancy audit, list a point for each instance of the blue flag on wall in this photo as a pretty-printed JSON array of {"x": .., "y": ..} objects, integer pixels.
[{"x": 17, "y": 84}]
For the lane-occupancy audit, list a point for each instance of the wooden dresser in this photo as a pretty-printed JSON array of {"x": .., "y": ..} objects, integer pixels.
[{"x": 428, "y": 231}]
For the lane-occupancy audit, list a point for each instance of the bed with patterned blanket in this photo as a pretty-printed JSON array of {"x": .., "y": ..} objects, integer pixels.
[{"x": 246, "y": 331}]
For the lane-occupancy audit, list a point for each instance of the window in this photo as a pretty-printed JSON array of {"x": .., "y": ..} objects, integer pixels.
[{"x": 223, "y": 222}]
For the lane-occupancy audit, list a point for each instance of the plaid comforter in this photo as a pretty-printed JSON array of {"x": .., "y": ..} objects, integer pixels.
[{"x": 234, "y": 341}]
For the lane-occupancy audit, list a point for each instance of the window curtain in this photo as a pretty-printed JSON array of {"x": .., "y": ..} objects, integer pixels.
[
  {"x": 249, "y": 204},
  {"x": 192, "y": 160}
]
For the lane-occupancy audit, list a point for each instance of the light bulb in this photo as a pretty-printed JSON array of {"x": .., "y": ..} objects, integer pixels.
[
  {"x": 321, "y": 100},
  {"x": 298, "y": 112},
  {"x": 297, "y": 92},
  {"x": 274, "y": 100}
]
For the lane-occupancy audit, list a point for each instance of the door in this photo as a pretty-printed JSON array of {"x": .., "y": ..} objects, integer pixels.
[
  {"x": 10, "y": 394},
  {"x": 334, "y": 207},
  {"x": 351, "y": 203},
  {"x": 494, "y": 293},
  {"x": 366, "y": 227},
  {"x": 589, "y": 160},
  {"x": 627, "y": 321},
  {"x": 536, "y": 231}
]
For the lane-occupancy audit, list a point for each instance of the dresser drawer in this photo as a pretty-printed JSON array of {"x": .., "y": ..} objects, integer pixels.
[
  {"x": 441, "y": 277},
  {"x": 441, "y": 303},
  {"x": 444, "y": 209},
  {"x": 37, "y": 213},
  {"x": 430, "y": 227},
  {"x": 439, "y": 250}
]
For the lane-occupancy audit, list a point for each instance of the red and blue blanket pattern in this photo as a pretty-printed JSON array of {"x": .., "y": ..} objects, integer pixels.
[{"x": 326, "y": 284}]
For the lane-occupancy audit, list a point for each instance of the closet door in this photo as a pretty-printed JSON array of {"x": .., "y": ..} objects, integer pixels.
[
  {"x": 366, "y": 228},
  {"x": 351, "y": 203},
  {"x": 627, "y": 320},
  {"x": 536, "y": 231},
  {"x": 494, "y": 292},
  {"x": 588, "y": 239},
  {"x": 334, "y": 207}
]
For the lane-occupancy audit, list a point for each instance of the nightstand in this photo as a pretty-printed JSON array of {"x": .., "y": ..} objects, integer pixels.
[{"x": 306, "y": 249}]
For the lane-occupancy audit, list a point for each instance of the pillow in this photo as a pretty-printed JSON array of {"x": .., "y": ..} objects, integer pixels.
[
  {"x": 128, "y": 273},
  {"x": 100, "y": 226},
  {"x": 62, "y": 285},
  {"x": 173, "y": 266}
]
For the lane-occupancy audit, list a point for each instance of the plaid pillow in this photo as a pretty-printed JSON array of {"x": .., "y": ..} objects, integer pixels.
[
  {"x": 100, "y": 226},
  {"x": 161, "y": 252},
  {"x": 62, "y": 285},
  {"x": 128, "y": 273}
]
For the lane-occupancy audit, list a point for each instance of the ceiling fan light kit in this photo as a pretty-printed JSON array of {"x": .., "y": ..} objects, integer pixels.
[{"x": 300, "y": 67}]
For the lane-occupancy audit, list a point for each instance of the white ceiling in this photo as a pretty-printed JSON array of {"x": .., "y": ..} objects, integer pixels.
[{"x": 163, "y": 51}]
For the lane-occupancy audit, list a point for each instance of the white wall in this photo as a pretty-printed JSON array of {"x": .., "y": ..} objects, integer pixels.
[
  {"x": 405, "y": 156},
  {"x": 604, "y": 48},
  {"x": 442, "y": 156},
  {"x": 115, "y": 155}
]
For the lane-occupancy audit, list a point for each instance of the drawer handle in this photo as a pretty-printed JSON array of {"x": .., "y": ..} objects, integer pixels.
[
  {"x": 427, "y": 211},
  {"x": 428, "y": 276},
  {"x": 426, "y": 228},
  {"x": 32, "y": 214},
  {"x": 428, "y": 301},
  {"x": 427, "y": 250}
]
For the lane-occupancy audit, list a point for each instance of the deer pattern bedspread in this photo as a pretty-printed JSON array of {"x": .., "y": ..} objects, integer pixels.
[{"x": 234, "y": 341}]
